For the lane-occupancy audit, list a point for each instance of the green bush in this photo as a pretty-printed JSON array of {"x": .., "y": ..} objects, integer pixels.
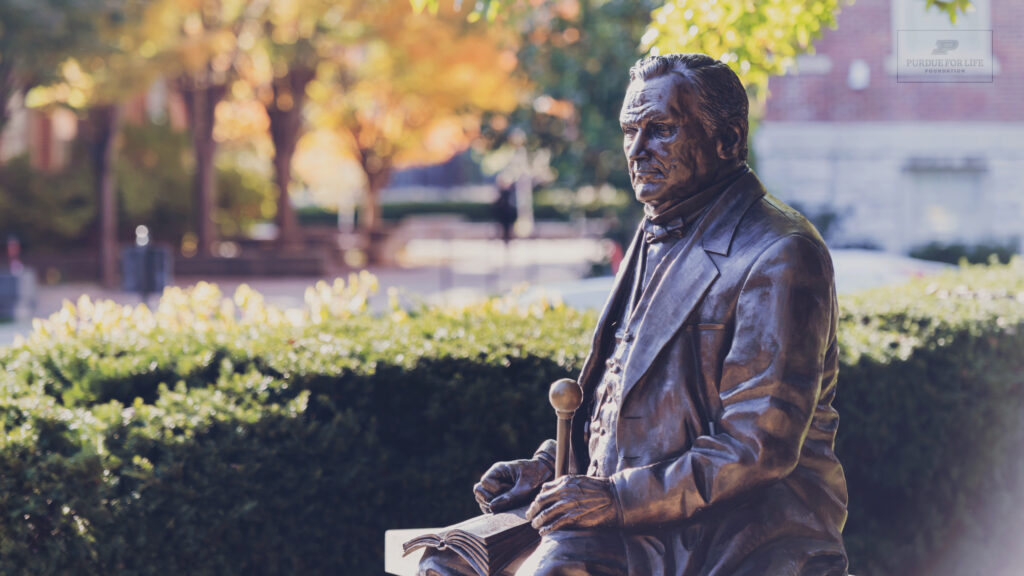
[
  {"x": 214, "y": 437},
  {"x": 554, "y": 205},
  {"x": 395, "y": 211},
  {"x": 223, "y": 436},
  {"x": 973, "y": 253},
  {"x": 53, "y": 210},
  {"x": 155, "y": 178},
  {"x": 931, "y": 392}
]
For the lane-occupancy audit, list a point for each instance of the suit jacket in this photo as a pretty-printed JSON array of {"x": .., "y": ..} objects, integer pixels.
[{"x": 737, "y": 325}]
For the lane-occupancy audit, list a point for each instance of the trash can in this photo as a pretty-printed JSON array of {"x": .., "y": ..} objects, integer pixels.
[
  {"x": 8, "y": 296},
  {"x": 145, "y": 269}
]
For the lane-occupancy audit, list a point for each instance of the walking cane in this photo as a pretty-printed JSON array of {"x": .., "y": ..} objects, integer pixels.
[{"x": 565, "y": 396}]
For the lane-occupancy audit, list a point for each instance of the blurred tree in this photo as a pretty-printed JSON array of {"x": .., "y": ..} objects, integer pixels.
[
  {"x": 115, "y": 71},
  {"x": 208, "y": 46},
  {"x": 96, "y": 75},
  {"x": 36, "y": 36},
  {"x": 157, "y": 164},
  {"x": 295, "y": 36},
  {"x": 135, "y": 44},
  {"x": 414, "y": 91},
  {"x": 576, "y": 54},
  {"x": 757, "y": 39},
  {"x": 44, "y": 209},
  {"x": 197, "y": 43},
  {"x": 275, "y": 46}
]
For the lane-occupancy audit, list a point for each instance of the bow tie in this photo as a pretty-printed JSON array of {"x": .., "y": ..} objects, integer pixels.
[{"x": 654, "y": 233}]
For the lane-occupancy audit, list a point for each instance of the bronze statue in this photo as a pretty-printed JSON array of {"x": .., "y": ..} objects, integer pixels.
[{"x": 704, "y": 443}]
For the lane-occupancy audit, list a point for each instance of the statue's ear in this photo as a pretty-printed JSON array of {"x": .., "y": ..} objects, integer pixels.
[{"x": 730, "y": 141}]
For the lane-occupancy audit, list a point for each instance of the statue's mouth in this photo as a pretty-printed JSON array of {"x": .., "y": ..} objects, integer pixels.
[
  {"x": 646, "y": 172},
  {"x": 647, "y": 175}
]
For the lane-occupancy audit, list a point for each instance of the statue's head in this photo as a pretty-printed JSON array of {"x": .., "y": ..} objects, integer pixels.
[{"x": 684, "y": 123}]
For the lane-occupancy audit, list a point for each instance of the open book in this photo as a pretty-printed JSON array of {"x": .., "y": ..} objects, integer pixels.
[{"x": 488, "y": 543}]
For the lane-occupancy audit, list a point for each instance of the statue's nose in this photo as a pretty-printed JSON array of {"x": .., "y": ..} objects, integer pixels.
[{"x": 637, "y": 149}]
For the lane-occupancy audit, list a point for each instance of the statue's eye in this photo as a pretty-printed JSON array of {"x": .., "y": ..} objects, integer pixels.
[
  {"x": 661, "y": 130},
  {"x": 629, "y": 130}
]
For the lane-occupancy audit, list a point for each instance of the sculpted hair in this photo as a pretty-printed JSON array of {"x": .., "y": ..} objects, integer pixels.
[{"x": 723, "y": 101}]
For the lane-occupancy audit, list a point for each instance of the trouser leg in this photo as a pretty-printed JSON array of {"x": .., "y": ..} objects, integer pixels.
[{"x": 578, "y": 553}]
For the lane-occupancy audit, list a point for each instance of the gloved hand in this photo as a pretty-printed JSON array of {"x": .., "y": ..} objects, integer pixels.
[{"x": 507, "y": 485}]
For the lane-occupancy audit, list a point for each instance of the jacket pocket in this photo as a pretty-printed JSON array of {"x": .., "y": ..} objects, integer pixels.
[{"x": 710, "y": 345}]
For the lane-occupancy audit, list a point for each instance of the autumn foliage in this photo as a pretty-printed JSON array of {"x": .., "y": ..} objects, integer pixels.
[{"x": 415, "y": 91}]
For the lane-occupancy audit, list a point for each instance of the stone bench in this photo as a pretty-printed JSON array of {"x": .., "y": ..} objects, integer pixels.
[
  {"x": 394, "y": 562},
  {"x": 399, "y": 565}
]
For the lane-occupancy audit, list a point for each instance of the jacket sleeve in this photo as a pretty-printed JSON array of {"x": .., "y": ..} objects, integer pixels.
[
  {"x": 770, "y": 383},
  {"x": 546, "y": 452}
]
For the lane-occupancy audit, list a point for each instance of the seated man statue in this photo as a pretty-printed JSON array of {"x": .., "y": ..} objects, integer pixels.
[{"x": 704, "y": 444}]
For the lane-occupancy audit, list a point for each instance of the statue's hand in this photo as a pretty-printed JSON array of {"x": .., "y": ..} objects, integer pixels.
[
  {"x": 510, "y": 484},
  {"x": 574, "y": 501}
]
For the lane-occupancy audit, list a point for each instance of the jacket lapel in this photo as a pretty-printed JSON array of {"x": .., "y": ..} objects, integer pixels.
[
  {"x": 613, "y": 306},
  {"x": 612, "y": 310},
  {"x": 662, "y": 311},
  {"x": 683, "y": 278}
]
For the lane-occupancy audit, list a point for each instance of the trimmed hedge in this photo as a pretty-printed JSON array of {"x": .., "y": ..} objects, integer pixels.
[
  {"x": 223, "y": 436},
  {"x": 931, "y": 399},
  {"x": 973, "y": 253},
  {"x": 227, "y": 437}
]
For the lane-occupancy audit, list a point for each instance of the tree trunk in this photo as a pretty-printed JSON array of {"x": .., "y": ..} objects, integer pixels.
[
  {"x": 369, "y": 219},
  {"x": 7, "y": 89},
  {"x": 202, "y": 103},
  {"x": 105, "y": 123},
  {"x": 285, "y": 112},
  {"x": 378, "y": 173},
  {"x": 376, "y": 180}
]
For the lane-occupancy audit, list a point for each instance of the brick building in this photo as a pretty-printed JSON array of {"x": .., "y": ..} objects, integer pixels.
[
  {"x": 46, "y": 135},
  {"x": 898, "y": 161}
]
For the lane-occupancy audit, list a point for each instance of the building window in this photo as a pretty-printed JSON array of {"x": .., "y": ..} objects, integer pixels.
[{"x": 946, "y": 202}]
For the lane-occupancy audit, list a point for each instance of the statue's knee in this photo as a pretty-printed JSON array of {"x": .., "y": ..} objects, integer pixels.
[
  {"x": 430, "y": 566},
  {"x": 577, "y": 553},
  {"x": 554, "y": 569},
  {"x": 541, "y": 564},
  {"x": 543, "y": 571}
]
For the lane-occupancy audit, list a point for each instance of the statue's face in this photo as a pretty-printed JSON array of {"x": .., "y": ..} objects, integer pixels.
[{"x": 669, "y": 153}]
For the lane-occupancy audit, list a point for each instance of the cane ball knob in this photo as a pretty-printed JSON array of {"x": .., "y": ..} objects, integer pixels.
[{"x": 565, "y": 396}]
